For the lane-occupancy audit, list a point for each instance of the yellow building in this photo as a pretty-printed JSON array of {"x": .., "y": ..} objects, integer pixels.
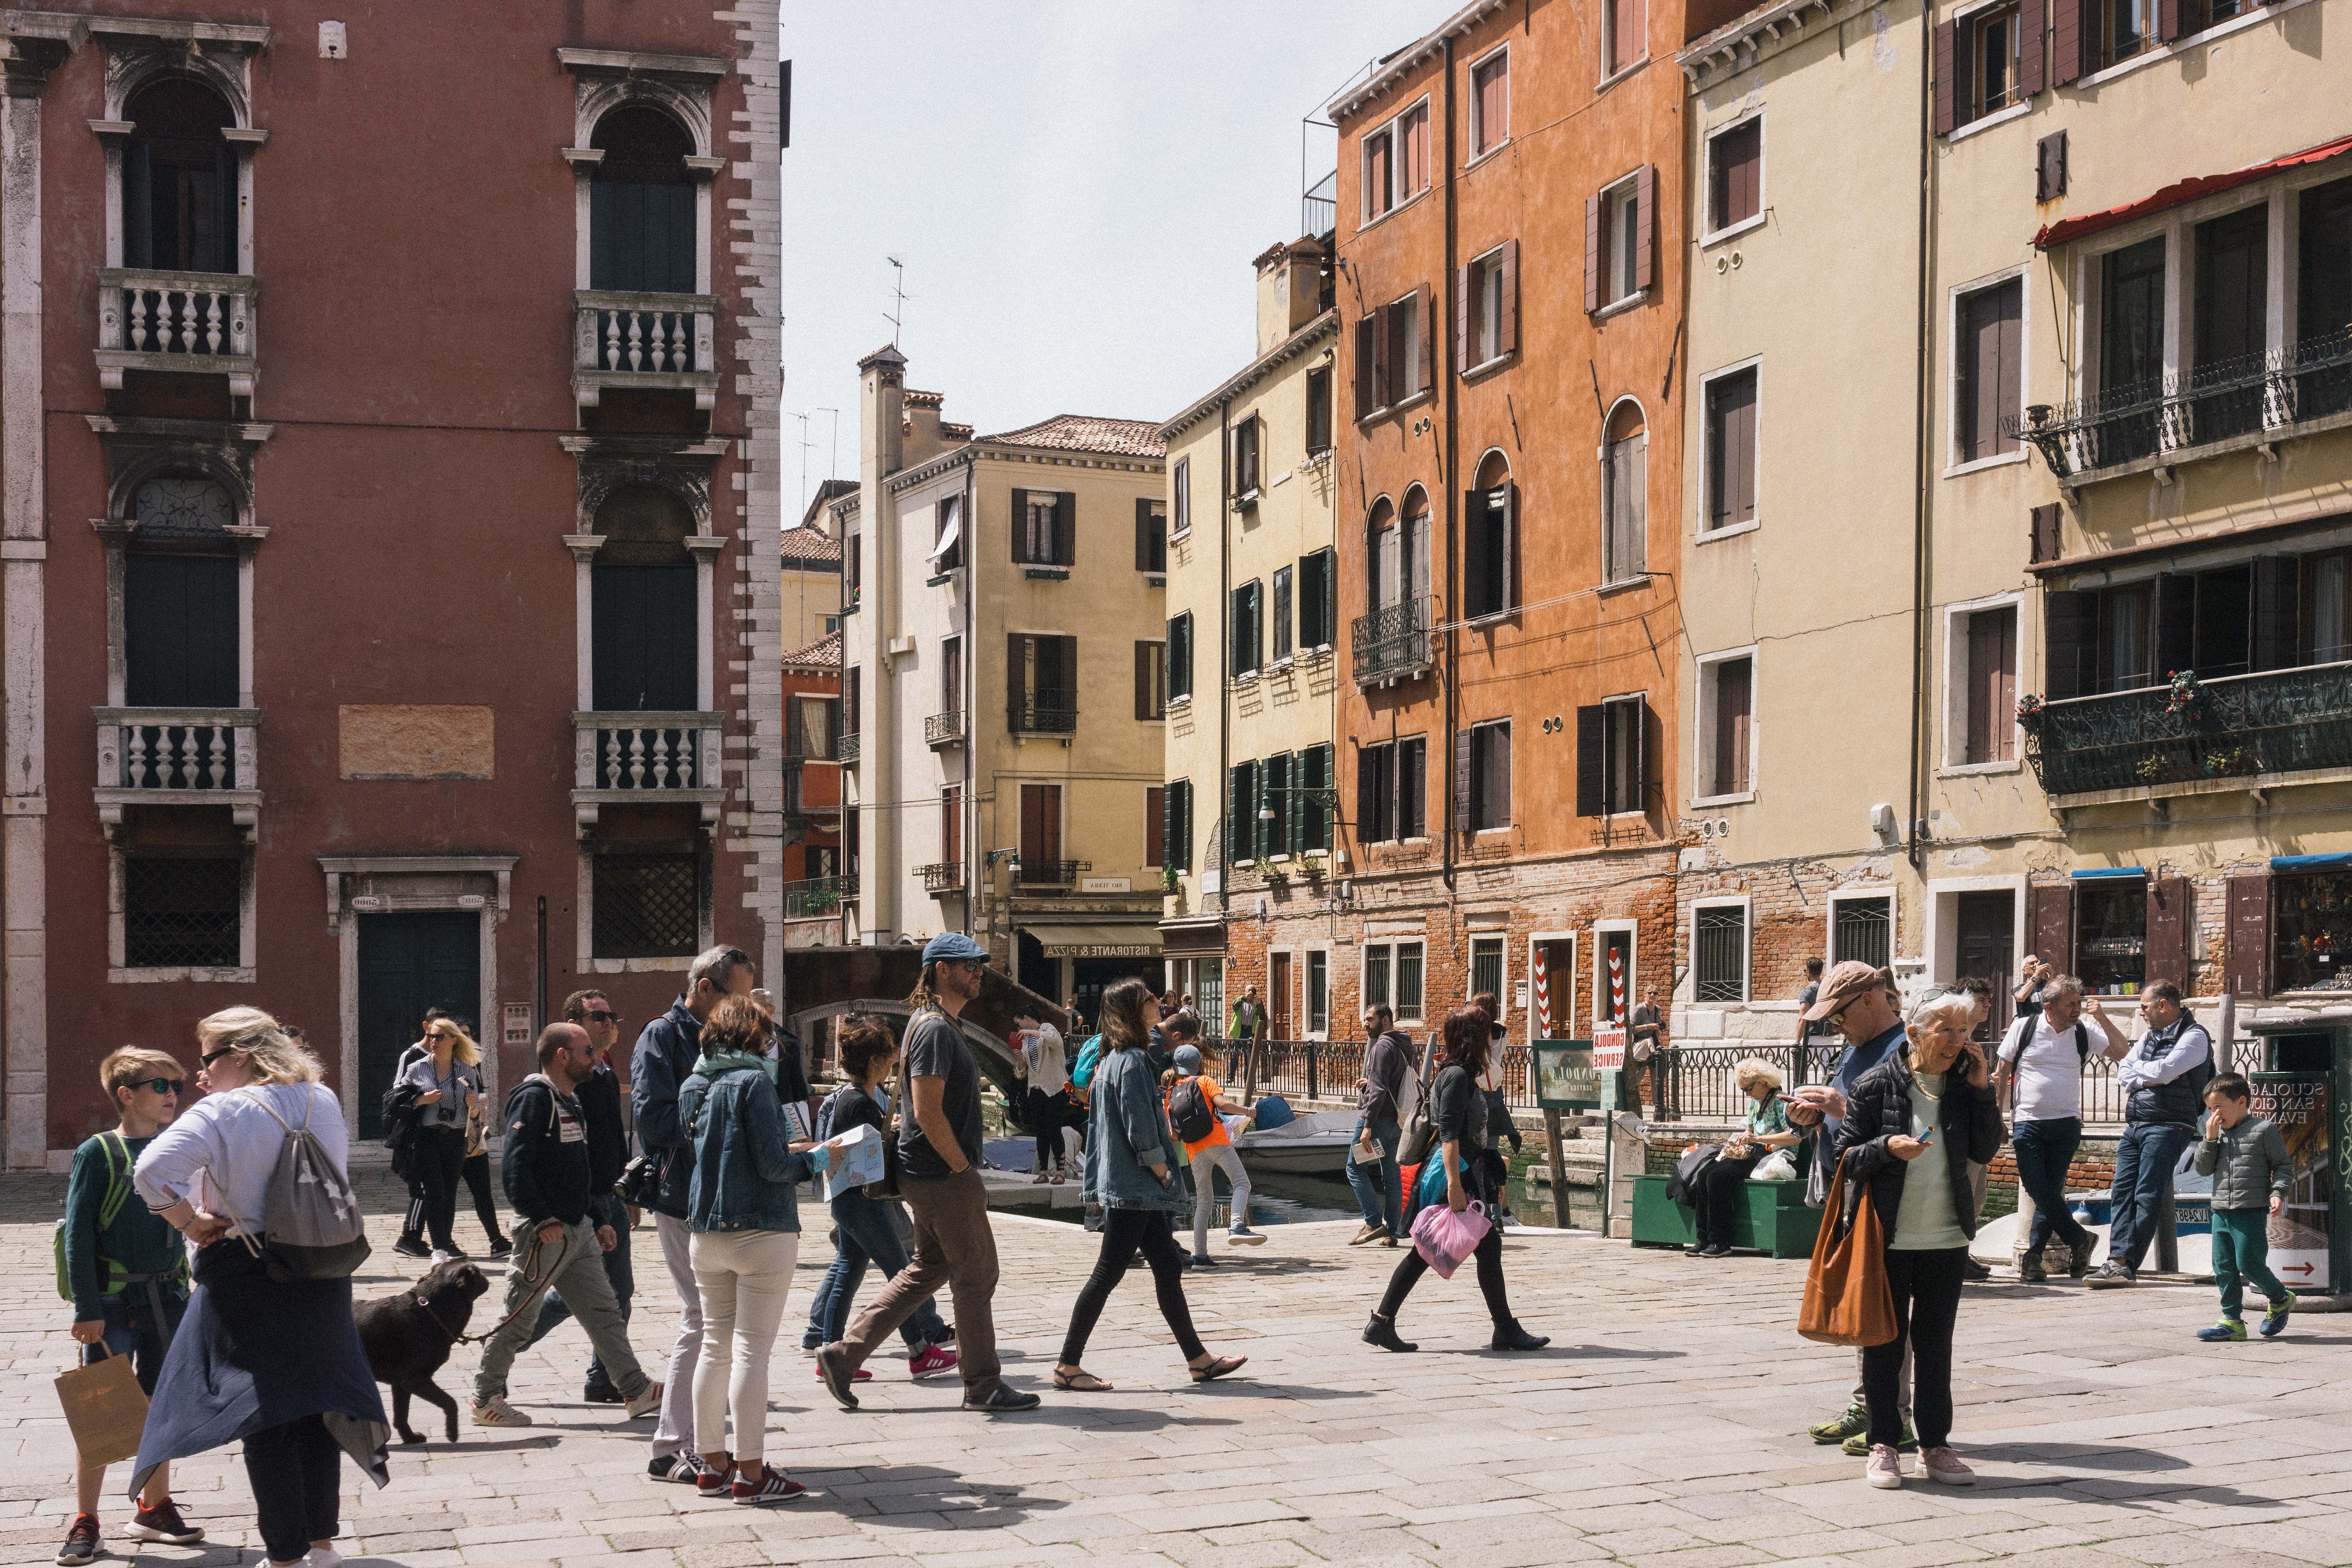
[{"x": 1005, "y": 678}]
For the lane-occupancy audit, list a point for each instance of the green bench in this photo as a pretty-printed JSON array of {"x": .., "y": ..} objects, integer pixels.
[{"x": 1774, "y": 1219}]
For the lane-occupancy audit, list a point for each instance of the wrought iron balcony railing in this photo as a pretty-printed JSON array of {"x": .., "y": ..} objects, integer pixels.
[
  {"x": 1043, "y": 713},
  {"x": 946, "y": 877},
  {"x": 1392, "y": 642},
  {"x": 1049, "y": 873},
  {"x": 2228, "y": 399},
  {"x": 2277, "y": 722},
  {"x": 943, "y": 729},
  {"x": 818, "y": 897},
  {"x": 846, "y": 748}
]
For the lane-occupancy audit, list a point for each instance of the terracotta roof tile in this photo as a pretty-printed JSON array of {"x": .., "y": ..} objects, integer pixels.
[
  {"x": 1086, "y": 433},
  {"x": 811, "y": 544},
  {"x": 824, "y": 653}
]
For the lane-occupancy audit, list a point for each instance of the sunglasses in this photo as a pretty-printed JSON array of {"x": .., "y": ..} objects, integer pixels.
[
  {"x": 223, "y": 1051},
  {"x": 599, "y": 1016},
  {"x": 160, "y": 1085}
]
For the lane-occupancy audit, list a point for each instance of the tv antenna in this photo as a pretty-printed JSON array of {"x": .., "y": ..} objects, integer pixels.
[
  {"x": 833, "y": 456},
  {"x": 805, "y": 445},
  {"x": 898, "y": 297}
]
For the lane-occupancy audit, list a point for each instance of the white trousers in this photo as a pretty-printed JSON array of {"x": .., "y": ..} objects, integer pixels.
[
  {"x": 744, "y": 1277},
  {"x": 674, "y": 1432}
]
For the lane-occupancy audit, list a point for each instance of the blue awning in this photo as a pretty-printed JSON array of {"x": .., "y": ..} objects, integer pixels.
[
  {"x": 2115, "y": 871},
  {"x": 2309, "y": 862}
]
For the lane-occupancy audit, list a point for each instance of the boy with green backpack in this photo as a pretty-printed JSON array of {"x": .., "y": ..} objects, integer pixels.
[{"x": 126, "y": 1273}]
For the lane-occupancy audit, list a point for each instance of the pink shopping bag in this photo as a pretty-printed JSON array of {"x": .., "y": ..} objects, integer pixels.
[{"x": 1445, "y": 1238}]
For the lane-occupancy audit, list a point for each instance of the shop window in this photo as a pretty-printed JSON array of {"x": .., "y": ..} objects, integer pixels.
[
  {"x": 2311, "y": 930},
  {"x": 2111, "y": 935}
]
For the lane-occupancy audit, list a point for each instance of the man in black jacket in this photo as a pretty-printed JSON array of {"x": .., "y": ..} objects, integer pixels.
[
  {"x": 549, "y": 1182},
  {"x": 608, "y": 1141},
  {"x": 664, "y": 1059}
]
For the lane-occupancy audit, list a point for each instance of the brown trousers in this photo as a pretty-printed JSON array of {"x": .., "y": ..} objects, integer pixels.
[{"x": 953, "y": 1248}]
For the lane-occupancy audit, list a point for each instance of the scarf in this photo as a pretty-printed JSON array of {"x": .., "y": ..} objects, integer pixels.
[{"x": 711, "y": 1064}]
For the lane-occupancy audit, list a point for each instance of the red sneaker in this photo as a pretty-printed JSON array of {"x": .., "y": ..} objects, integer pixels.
[
  {"x": 860, "y": 1375},
  {"x": 774, "y": 1486},
  {"x": 933, "y": 1359},
  {"x": 711, "y": 1480}
]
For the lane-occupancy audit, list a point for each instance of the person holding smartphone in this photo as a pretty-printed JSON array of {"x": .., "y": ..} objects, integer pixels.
[
  {"x": 1913, "y": 1123},
  {"x": 1722, "y": 1184}
]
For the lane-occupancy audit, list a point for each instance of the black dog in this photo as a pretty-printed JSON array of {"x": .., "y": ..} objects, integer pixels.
[{"x": 409, "y": 1336}]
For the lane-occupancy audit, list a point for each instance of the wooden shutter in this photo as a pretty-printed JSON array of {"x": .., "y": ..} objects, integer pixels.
[
  {"x": 2065, "y": 41},
  {"x": 1143, "y": 681},
  {"x": 1465, "y": 302},
  {"x": 1947, "y": 36},
  {"x": 2169, "y": 950},
  {"x": 1477, "y": 569},
  {"x": 1155, "y": 825},
  {"x": 2176, "y": 623},
  {"x": 1731, "y": 710},
  {"x": 1510, "y": 526},
  {"x": 1462, "y": 782},
  {"x": 2278, "y": 605},
  {"x": 2248, "y": 964},
  {"x": 1283, "y": 582},
  {"x": 1645, "y": 723},
  {"x": 644, "y": 657},
  {"x": 2050, "y": 919},
  {"x": 138, "y": 204},
  {"x": 1592, "y": 254},
  {"x": 1368, "y": 792},
  {"x": 1590, "y": 746},
  {"x": 1498, "y": 769},
  {"x": 1645, "y": 225},
  {"x": 1065, "y": 529},
  {"x": 1032, "y": 824},
  {"x": 2070, "y": 629},
  {"x": 1368, "y": 332},
  {"x": 181, "y": 637},
  {"x": 2050, "y": 167},
  {"x": 1506, "y": 280},
  {"x": 1412, "y": 787},
  {"x": 2042, "y": 534},
  {"x": 1020, "y": 527},
  {"x": 2033, "y": 41},
  {"x": 2168, "y": 20},
  {"x": 1016, "y": 677},
  {"x": 1423, "y": 311},
  {"x": 1384, "y": 387},
  {"x": 1143, "y": 534}
]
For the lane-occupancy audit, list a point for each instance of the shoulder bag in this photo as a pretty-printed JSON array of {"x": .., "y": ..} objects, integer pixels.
[{"x": 1847, "y": 1301}]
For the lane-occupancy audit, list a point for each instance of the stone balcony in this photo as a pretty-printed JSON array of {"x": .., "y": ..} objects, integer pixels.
[
  {"x": 185, "y": 322},
  {"x": 179, "y": 756},
  {"x": 645, "y": 758},
  {"x": 660, "y": 343}
]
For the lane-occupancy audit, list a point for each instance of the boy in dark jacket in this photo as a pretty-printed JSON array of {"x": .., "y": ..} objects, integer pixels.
[
  {"x": 550, "y": 1182},
  {"x": 2251, "y": 1172}
]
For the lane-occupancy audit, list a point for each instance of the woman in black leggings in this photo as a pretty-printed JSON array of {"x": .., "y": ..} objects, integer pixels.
[
  {"x": 1459, "y": 1109},
  {"x": 1129, "y": 1171}
]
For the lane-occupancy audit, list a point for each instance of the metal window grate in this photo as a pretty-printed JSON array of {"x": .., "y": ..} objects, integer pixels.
[
  {"x": 181, "y": 913},
  {"x": 648, "y": 906},
  {"x": 1722, "y": 953},
  {"x": 1862, "y": 933}
]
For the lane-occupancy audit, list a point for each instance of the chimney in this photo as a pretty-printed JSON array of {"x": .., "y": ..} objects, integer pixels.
[
  {"x": 881, "y": 422},
  {"x": 1289, "y": 288},
  {"x": 881, "y": 452},
  {"x": 924, "y": 440}
]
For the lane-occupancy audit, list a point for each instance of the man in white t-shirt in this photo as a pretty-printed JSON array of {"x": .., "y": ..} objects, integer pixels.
[{"x": 2041, "y": 1070}]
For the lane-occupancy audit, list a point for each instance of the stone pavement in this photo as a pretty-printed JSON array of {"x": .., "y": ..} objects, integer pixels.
[{"x": 1663, "y": 1426}]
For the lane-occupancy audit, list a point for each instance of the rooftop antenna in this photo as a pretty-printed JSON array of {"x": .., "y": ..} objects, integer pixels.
[
  {"x": 898, "y": 297},
  {"x": 805, "y": 445},
  {"x": 832, "y": 458}
]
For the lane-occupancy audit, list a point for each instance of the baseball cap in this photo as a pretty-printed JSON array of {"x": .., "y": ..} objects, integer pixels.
[
  {"x": 952, "y": 946},
  {"x": 1849, "y": 980},
  {"x": 1188, "y": 1058}
]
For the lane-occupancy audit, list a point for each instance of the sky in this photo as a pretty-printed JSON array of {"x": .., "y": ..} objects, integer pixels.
[{"x": 1076, "y": 188}]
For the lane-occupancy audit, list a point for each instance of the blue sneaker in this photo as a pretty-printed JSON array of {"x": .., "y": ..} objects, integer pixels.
[
  {"x": 2274, "y": 1316},
  {"x": 2227, "y": 1330}
]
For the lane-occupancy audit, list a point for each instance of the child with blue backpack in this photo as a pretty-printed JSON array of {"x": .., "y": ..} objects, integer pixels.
[{"x": 125, "y": 1272}]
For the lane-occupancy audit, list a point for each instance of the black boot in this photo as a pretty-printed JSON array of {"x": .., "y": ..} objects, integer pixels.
[
  {"x": 1509, "y": 1336},
  {"x": 2030, "y": 1270},
  {"x": 1381, "y": 1332}
]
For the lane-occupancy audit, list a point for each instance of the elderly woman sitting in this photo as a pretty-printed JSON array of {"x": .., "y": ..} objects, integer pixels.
[{"x": 1722, "y": 1185}]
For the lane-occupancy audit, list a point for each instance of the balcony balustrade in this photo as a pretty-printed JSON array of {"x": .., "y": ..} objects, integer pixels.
[
  {"x": 184, "y": 321},
  {"x": 179, "y": 756},
  {"x": 1043, "y": 713},
  {"x": 944, "y": 877},
  {"x": 2280, "y": 721},
  {"x": 1392, "y": 643},
  {"x": 818, "y": 897},
  {"x": 1049, "y": 873},
  {"x": 645, "y": 758},
  {"x": 942, "y": 730},
  {"x": 2215, "y": 407},
  {"x": 664, "y": 343},
  {"x": 846, "y": 749}
]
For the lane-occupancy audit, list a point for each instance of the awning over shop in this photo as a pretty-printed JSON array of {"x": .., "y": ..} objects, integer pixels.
[
  {"x": 1104, "y": 941},
  {"x": 2110, "y": 871},
  {"x": 2311, "y": 862},
  {"x": 2183, "y": 191},
  {"x": 1203, "y": 937}
]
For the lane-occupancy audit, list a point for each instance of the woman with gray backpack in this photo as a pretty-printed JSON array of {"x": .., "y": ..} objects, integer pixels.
[{"x": 253, "y": 1176}]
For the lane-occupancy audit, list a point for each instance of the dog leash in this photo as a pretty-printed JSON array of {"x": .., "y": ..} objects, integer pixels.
[{"x": 531, "y": 1293}]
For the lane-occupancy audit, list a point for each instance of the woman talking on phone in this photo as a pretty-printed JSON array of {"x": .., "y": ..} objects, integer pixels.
[{"x": 1913, "y": 1123}]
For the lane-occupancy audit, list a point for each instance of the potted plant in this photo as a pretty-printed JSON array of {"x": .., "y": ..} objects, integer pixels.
[
  {"x": 2185, "y": 700},
  {"x": 2032, "y": 714}
]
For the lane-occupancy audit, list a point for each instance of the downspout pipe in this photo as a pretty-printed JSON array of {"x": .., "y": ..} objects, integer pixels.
[
  {"x": 1225, "y": 644},
  {"x": 975, "y": 855},
  {"x": 1916, "y": 808},
  {"x": 1441, "y": 351}
]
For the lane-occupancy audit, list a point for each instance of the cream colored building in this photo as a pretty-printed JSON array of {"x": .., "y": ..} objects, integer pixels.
[
  {"x": 2093, "y": 434},
  {"x": 1006, "y": 661},
  {"x": 1252, "y": 608},
  {"x": 811, "y": 555}
]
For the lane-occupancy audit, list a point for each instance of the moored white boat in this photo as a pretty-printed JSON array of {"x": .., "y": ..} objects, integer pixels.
[{"x": 1317, "y": 1141}]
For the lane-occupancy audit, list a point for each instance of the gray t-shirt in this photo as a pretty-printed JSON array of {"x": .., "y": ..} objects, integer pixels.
[
  {"x": 935, "y": 1048},
  {"x": 449, "y": 1111}
]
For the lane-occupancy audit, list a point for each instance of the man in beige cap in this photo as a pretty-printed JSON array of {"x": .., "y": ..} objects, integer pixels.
[{"x": 1858, "y": 1000}]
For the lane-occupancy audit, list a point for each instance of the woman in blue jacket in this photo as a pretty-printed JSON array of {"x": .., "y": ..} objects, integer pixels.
[
  {"x": 743, "y": 1215},
  {"x": 1129, "y": 1171}
]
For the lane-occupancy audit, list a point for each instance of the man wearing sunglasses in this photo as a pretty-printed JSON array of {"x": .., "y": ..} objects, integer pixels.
[{"x": 600, "y": 1107}]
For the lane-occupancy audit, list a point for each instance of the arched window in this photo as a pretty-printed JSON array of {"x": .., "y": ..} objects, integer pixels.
[
  {"x": 1625, "y": 491},
  {"x": 1382, "y": 556},
  {"x": 642, "y": 597},
  {"x": 641, "y": 204},
  {"x": 179, "y": 180},
  {"x": 1490, "y": 544},
  {"x": 179, "y": 601},
  {"x": 1414, "y": 567}
]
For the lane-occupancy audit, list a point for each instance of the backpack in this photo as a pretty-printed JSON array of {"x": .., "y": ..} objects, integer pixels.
[
  {"x": 118, "y": 1191},
  {"x": 1189, "y": 1112},
  {"x": 2024, "y": 1031},
  {"x": 311, "y": 1221},
  {"x": 1089, "y": 1057}
]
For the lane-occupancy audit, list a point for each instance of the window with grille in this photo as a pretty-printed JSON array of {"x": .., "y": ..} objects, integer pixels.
[
  {"x": 1393, "y": 975},
  {"x": 648, "y": 906},
  {"x": 181, "y": 913},
  {"x": 1318, "y": 993},
  {"x": 1719, "y": 941},
  {"x": 1862, "y": 931},
  {"x": 1486, "y": 965}
]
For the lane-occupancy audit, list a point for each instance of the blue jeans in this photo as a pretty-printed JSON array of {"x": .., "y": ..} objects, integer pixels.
[
  {"x": 133, "y": 1330},
  {"x": 606, "y": 1210},
  {"x": 2044, "y": 1149},
  {"x": 2144, "y": 1161},
  {"x": 1383, "y": 1205},
  {"x": 868, "y": 1235}
]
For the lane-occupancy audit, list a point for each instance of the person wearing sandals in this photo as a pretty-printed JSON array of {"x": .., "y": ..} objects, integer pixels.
[
  {"x": 1128, "y": 1169},
  {"x": 743, "y": 1215},
  {"x": 865, "y": 1229},
  {"x": 1458, "y": 1107},
  {"x": 1913, "y": 1123}
]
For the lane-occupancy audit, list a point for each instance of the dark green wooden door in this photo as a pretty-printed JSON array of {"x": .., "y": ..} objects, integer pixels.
[{"x": 407, "y": 963}]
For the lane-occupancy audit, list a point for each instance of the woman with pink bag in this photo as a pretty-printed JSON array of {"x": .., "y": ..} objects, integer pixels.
[{"x": 1442, "y": 1233}]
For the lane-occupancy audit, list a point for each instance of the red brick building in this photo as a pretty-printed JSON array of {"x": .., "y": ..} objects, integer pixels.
[{"x": 388, "y": 472}]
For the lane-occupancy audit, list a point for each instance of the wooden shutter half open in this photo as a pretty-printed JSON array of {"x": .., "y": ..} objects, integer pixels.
[
  {"x": 1020, "y": 529},
  {"x": 2032, "y": 45},
  {"x": 2065, "y": 42},
  {"x": 1383, "y": 386},
  {"x": 1423, "y": 309},
  {"x": 1592, "y": 254},
  {"x": 2175, "y": 634},
  {"x": 2169, "y": 929},
  {"x": 1462, "y": 782},
  {"x": 2278, "y": 604},
  {"x": 1143, "y": 534},
  {"x": 1946, "y": 108},
  {"x": 2248, "y": 964},
  {"x": 1155, "y": 825},
  {"x": 1589, "y": 792},
  {"x": 2042, "y": 534},
  {"x": 1367, "y": 334},
  {"x": 1462, "y": 303},
  {"x": 2070, "y": 629},
  {"x": 1065, "y": 529},
  {"x": 1645, "y": 225},
  {"x": 1506, "y": 280},
  {"x": 2049, "y": 922},
  {"x": 2168, "y": 20}
]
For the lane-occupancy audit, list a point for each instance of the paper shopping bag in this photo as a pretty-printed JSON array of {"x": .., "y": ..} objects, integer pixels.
[{"x": 106, "y": 1408}]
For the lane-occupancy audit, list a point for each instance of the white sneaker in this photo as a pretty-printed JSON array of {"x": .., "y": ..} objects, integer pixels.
[
  {"x": 1943, "y": 1466},
  {"x": 323, "y": 1557},
  {"x": 644, "y": 1403},
  {"x": 1242, "y": 1236},
  {"x": 1884, "y": 1469},
  {"x": 496, "y": 1412},
  {"x": 440, "y": 1255}
]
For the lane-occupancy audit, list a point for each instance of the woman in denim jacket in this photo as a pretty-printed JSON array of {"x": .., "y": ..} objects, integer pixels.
[
  {"x": 1129, "y": 1171},
  {"x": 743, "y": 1212}
]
